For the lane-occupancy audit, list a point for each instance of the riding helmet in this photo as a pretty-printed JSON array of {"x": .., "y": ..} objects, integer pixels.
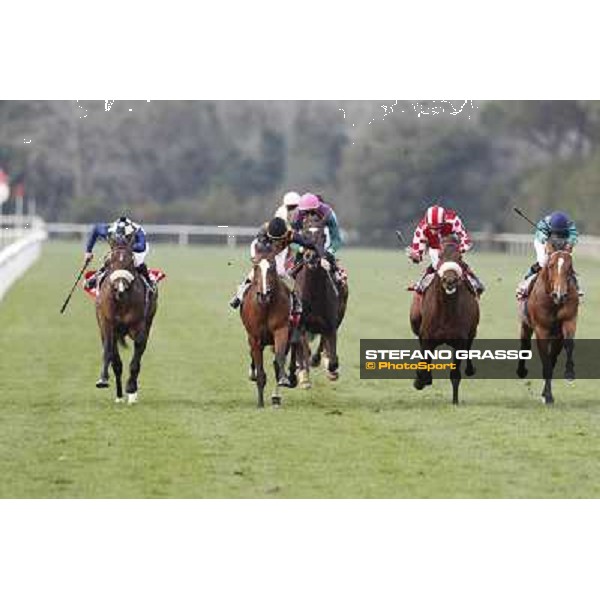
[
  {"x": 559, "y": 223},
  {"x": 436, "y": 216},
  {"x": 277, "y": 228}
]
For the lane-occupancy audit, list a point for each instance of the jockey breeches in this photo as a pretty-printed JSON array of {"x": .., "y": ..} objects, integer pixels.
[
  {"x": 540, "y": 251},
  {"x": 434, "y": 256},
  {"x": 139, "y": 258}
]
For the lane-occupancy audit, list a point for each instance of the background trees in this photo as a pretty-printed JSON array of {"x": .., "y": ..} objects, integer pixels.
[{"x": 379, "y": 162}]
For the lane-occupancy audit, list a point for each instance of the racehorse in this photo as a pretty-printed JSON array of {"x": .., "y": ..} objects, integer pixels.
[
  {"x": 323, "y": 304},
  {"x": 447, "y": 313},
  {"x": 265, "y": 313},
  {"x": 551, "y": 312},
  {"x": 124, "y": 307}
]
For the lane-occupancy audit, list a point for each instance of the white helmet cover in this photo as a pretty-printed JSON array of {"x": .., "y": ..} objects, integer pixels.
[{"x": 291, "y": 199}]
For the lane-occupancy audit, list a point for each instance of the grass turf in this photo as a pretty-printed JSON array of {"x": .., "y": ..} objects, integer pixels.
[{"x": 196, "y": 431}]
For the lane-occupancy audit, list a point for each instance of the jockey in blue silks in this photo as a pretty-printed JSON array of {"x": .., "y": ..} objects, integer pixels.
[
  {"x": 556, "y": 225},
  {"x": 122, "y": 229}
]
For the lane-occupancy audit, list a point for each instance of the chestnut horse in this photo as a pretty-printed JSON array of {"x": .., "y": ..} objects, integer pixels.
[
  {"x": 447, "y": 313},
  {"x": 265, "y": 313},
  {"x": 551, "y": 312},
  {"x": 124, "y": 307},
  {"x": 323, "y": 304}
]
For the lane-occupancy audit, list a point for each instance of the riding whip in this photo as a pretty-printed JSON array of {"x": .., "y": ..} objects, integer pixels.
[
  {"x": 522, "y": 214},
  {"x": 64, "y": 306}
]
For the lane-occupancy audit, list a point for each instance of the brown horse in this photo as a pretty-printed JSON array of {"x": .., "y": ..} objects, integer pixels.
[
  {"x": 265, "y": 314},
  {"x": 124, "y": 307},
  {"x": 447, "y": 313},
  {"x": 323, "y": 303},
  {"x": 551, "y": 312}
]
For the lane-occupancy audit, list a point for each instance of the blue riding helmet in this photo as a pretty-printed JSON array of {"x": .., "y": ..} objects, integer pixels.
[{"x": 559, "y": 223}]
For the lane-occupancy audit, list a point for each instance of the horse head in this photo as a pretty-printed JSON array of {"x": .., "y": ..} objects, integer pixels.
[
  {"x": 121, "y": 268},
  {"x": 450, "y": 248},
  {"x": 264, "y": 278},
  {"x": 315, "y": 231},
  {"x": 450, "y": 274},
  {"x": 559, "y": 271}
]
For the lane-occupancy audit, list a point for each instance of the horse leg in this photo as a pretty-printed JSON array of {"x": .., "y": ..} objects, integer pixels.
[
  {"x": 568, "y": 330},
  {"x": 280, "y": 344},
  {"x": 252, "y": 370},
  {"x": 423, "y": 376},
  {"x": 117, "y": 365},
  {"x": 261, "y": 377},
  {"x": 415, "y": 314},
  {"x": 526, "y": 333},
  {"x": 140, "y": 342},
  {"x": 455, "y": 378},
  {"x": 545, "y": 350},
  {"x": 332, "y": 357},
  {"x": 315, "y": 360},
  {"x": 470, "y": 368},
  {"x": 304, "y": 362},
  {"x": 292, "y": 377},
  {"x": 107, "y": 352}
]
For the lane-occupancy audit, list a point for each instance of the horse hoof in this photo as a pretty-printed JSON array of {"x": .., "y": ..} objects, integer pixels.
[
  {"x": 470, "y": 372},
  {"x": 102, "y": 384},
  {"x": 315, "y": 361},
  {"x": 548, "y": 400},
  {"x": 293, "y": 381},
  {"x": 119, "y": 400},
  {"x": 522, "y": 373},
  {"x": 570, "y": 377},
  {"x": 284, "y": 382},
  {"x": 418, "y": 384},
  {"x": 276, "y": 401},
  {"x": 333, "y": 375},
  {"x": 252, "y": 375},
  {"x": 132, "y": 398}
]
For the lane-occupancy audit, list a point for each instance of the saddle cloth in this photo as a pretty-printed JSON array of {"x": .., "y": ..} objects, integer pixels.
[{"x": 156, "y": 274}]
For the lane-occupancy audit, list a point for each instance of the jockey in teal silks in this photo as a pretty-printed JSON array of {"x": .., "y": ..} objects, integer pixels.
[
  {"x": 556, "y": 225},
  {"x": 312, "y": 204}
]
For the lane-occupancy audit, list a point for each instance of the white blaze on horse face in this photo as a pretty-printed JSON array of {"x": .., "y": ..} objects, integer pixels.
[
  {"x": 264, "y": 267},
  {"x": 561, "y": 262},
  {"x": 121, "y": 286}
]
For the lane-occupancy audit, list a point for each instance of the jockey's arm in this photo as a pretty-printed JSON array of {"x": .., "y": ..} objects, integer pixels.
[
  {"x": 418, "y": 245},
  {"x": 139, "y": 241},
  {"x": 465, "y": 243},
  {"x": 296, "y": 238},
  {"x": 573, "y": 234},
  {"x": 335, "y": 237},
  {"x": 100, "y": 230}
]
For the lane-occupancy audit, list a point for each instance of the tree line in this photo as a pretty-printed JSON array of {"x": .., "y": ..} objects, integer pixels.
[{"x": 379, "y": 162}]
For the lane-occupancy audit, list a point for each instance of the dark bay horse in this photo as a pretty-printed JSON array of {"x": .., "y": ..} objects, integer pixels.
[
  {"x": 447, "y": 313},
  {"x": 265, "y": 313},
  {"x": 124, "y": 307},
  {"x": 323, "y": 304},
  {"x": 551, "y": 312}
]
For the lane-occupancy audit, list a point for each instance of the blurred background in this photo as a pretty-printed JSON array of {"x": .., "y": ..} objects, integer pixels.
[{"x": 379, "y": 163}]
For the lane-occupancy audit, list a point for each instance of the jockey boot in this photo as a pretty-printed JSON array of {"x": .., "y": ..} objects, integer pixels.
[
  {"x": 477, "y": 284},
  {"x": 418, "y": 287},
  {"x": 580, "y": 292},
  {"x": 95, "y": 279},
  {"x": 143, "y": 271},
  {"x": 523, "y": 287},
  {"x": 236, "y": 301}
]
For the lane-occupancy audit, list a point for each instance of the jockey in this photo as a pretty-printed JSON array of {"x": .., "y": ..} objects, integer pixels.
[
  {"x": 289, "y": 204},
  {"x": 555, "y": 225},
  {"x": 312, "y": 204},
  {"x": 122, "y": 229},
  {"x": 438, "y": 223},
  {"x": 276, "y": 235}
]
